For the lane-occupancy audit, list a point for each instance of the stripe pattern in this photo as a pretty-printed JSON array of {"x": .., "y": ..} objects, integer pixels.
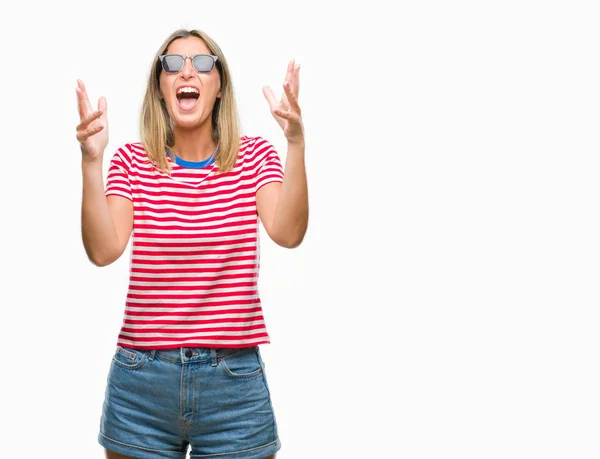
[{"x": 195, "y": 251}]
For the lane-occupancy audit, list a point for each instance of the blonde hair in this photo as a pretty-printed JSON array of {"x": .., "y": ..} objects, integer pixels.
[{"x": 155, "y": 129}]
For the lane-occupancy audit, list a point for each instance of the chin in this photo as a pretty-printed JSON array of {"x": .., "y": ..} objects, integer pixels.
[
  {"x": 187, "y": 120},
  {"x": 182, "y": 122}
]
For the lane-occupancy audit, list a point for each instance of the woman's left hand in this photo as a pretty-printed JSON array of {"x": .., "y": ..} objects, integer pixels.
[{"x": 287, "y": 111}]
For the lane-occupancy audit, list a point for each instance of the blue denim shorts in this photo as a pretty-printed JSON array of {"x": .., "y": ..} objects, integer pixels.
[{"x": 215, "y": 401}]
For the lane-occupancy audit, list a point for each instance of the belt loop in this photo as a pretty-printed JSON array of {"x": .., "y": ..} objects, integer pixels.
[
  {"x": 152, "y": 353},
  {"x": 213, "y": 357}
]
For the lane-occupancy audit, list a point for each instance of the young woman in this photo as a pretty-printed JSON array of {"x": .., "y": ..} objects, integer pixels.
[{"x": 187, "y": 370}]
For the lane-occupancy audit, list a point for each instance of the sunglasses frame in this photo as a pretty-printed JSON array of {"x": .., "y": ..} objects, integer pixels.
[{"x": 162, "y": 56}]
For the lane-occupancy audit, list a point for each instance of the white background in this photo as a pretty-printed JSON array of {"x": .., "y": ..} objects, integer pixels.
[{"x": 444, "y": 302}]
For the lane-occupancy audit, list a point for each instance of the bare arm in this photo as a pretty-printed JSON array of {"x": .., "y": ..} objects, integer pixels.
[
  {"x": 283, "y": 208},
  {"x": 106, "y": 221}
]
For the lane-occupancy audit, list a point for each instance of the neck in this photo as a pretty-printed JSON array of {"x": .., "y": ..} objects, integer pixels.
[{"x": 194, "y": 144}]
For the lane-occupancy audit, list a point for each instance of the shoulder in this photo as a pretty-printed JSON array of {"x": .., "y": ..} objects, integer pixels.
[
  {"x": 129, "y": 153},
  {"x": 254, "y": 148}
]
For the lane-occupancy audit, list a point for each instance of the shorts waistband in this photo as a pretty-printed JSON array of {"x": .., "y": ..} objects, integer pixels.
[{"x": 185, "y": 355}]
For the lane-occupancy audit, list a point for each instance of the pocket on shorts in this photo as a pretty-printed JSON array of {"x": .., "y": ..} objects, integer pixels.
[
  {"x": 243, "y": 363},
  {"x": 128, "y": 358}
]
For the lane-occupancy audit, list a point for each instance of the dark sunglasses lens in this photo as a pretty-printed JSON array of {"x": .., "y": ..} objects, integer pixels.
[
  {"x": 203, "y": 63},
  {"x": 172, "y": 63}
]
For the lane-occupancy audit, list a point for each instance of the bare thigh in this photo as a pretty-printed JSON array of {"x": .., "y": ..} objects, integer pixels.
[{"x": 113, "y": 455}]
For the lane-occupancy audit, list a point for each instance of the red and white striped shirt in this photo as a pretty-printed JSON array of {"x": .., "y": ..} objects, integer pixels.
[{"x": 195, "y": 256}]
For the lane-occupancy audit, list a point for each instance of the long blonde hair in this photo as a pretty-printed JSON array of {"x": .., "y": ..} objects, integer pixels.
[{"x": 155, "y": 128}]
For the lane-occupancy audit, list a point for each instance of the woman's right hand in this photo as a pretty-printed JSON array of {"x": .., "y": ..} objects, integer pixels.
[{"x": 92, "y": 132}]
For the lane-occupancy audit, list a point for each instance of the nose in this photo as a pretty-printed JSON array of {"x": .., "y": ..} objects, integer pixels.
[{"x": 188, "y": 67}]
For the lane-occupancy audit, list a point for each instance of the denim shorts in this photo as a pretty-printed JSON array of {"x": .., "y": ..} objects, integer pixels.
[{"x": 215, "y": 401}]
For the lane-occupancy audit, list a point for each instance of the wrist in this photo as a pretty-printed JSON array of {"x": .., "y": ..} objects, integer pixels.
[
  {"x": 296, "y": 142},
  {"x": 88, "y": 164}
]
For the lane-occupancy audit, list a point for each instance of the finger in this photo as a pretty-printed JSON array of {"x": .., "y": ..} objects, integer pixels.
[
  {"x": 83, "y": 104},
  {"x": 268, "y": 92},
  {"x": 289, "y": 76},
  {"x": 88, "y": 119},
  {"x": 85, "y": 100},
  {"x": 82, "y": 136},
  {"x": 296, "y": 80},
  {"x": 291, "y": 97},
  {"x": 288, "y": 115},
  {"x": 285, "y": 104},
  {"x": 290, "y": 70},
  {"x": 80, "y": 107},
  {"x": 102, "y": 104}
]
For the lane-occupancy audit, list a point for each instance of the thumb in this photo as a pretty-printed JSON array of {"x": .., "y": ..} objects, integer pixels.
[{"x": 270, "y": 97}]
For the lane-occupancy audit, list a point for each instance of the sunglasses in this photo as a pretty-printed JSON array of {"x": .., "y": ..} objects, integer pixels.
[{"x": 173, "y": 63}]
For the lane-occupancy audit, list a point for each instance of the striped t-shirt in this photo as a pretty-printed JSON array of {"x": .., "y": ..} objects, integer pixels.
[{"x": 194, "y": 257}]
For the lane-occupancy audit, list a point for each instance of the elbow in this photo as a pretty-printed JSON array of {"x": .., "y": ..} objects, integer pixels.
[
  {"x": 290, "y": 241},
  {"x": 100, "y": 259},
  {"x": 288, "y": 236},
  {"x": 287, "y": 245},
  {"x": 100, "y": 262}
]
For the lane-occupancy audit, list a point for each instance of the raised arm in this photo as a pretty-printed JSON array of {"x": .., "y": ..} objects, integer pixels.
[
  {"x": 106, "y": 222},
  {"x": 283, "y": 207}
]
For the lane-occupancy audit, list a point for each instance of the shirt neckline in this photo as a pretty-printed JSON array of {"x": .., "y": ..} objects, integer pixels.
[
  {"x": 192, "y": 164},
  {"x": 195, "y": 164},
  {"x": 182, "y": 165}
]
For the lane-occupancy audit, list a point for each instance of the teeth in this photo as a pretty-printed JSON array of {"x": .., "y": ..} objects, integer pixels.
[{"x": 187, "y": 89}]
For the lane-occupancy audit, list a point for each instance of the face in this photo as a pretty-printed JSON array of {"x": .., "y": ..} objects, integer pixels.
[{"x": 185, "y": 110}]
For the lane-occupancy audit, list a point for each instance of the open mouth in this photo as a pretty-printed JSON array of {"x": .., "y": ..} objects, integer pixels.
[{"x": 187, "y": 97}]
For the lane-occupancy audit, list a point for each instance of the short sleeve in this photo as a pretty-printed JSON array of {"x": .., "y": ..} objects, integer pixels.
[
  {"x": 269, "y": 165},
  {"x": 117, "y": 181}
]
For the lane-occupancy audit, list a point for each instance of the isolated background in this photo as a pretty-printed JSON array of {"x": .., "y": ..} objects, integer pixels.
[{"x": 445, "y": 300}]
